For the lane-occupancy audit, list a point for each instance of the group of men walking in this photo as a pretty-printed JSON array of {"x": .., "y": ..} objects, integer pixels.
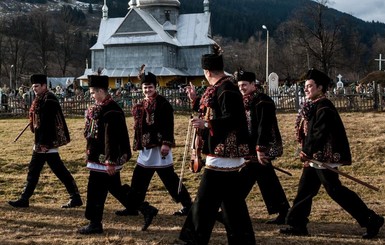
[{"x": 239, "y": 144}]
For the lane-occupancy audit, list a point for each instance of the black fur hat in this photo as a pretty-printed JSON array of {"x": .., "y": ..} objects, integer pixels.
[
  {"x": 98, "y": 81},
  {"x": 319, "y": 77},
  {"x": 213, "y": 62},
  {"x": 39, "y": 78},
  {"x": 150, "y": 78},
  {"x": 241, "y": 75}
]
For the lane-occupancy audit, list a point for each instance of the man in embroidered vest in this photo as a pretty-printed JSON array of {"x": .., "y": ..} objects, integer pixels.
[
  {"x": 108, "y": 148},
  {"x": 154, "y": 139},
  {"x": 50, "y": 129},
  {"x": 223, "y": 126},
  {"x": 322, "y": 136},
  {"x": 265, "y": 146}
]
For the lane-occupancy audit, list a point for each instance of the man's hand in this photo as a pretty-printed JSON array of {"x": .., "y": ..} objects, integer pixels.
[
  {"x": 43, "y": 148},
  {"x": 164, "y": 150},
  {"x": 263, "y": 158},
  {"x": 305, "y": 159},
  {"x": 111, "y": 170},
  {"x": 191, "y": 92},
  {"x": 198, "y": 123}
]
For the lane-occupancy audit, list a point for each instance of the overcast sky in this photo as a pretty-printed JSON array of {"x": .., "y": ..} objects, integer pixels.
[{"x": 367, "y": 10}]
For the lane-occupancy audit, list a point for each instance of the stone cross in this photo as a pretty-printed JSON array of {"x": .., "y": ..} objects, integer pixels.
[
  {"x": 380, "y": 60},
  {"x": 339, "y": 77},
  {"x": 340, "y": 84}
]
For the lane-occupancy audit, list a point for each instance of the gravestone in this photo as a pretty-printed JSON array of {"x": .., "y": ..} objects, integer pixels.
[
  {"x": 273, "y": 82},
  {"x": 340, "y": 85}
]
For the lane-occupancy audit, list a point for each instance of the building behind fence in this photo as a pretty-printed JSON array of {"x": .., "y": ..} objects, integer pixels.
[{"x": 286, "y": 100}]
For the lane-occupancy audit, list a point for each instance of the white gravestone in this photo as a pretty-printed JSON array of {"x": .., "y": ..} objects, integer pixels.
[{"x": 273, "y": 82}]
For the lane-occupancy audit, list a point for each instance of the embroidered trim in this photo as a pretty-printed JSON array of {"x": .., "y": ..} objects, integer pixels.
[{"x": 92, "y": 118}]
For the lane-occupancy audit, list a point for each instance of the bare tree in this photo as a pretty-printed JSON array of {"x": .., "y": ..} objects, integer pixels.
[
  {"x": 18, "y": 48},
  {"x": 64, "y": 47},
  {"x": 39, "y": 20},
  {"x": 319, "y": 34}
]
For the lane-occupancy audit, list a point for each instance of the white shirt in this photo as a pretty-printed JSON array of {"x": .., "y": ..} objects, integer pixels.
[
  {"x": 152, "y": 158},
  {"x": 224, "y": 163}
]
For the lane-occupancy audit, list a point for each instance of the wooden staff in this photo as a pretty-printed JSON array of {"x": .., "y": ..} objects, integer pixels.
[
  {"x": 21, "y": 132},
  {"x": 186, "y": 147},
  {"x": 282, "y": 170},
  {"x": 255, "y": 160},
  {"x": 322, "y": 164}
]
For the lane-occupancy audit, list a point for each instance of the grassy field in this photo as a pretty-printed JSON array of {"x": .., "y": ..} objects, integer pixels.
[{"x": 44, "y": 222}]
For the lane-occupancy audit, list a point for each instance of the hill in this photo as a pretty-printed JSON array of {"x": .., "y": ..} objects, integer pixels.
[
  {"x": 236, "y": 25},
  {"x": 240, "y": 19},
  {"x": 234, "y": 19}
]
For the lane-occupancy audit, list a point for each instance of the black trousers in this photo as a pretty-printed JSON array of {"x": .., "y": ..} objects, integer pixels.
[
  {"x": 218, "y": 189},
  {"x": 99, "y": 184},
  {"x": 141, "y": 179},
  {"x": 271, "y": 189},
  {"x": 309, "y": 186},
  {"x": 57, "y": 166}
]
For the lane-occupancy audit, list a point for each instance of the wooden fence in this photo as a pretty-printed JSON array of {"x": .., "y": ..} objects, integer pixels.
[{"x": 285, "y": 102}]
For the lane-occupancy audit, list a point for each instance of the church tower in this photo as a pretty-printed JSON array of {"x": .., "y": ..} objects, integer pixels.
[
  {"x": 162, "y": 10},
  {"x": 105, "y": 10}
]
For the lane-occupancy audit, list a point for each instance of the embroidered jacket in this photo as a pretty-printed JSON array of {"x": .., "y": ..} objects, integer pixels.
[
  {"x": 48, "y": 122},
  {"x": 106, "y": 134},
  {"x": 222, "y": 106},
  {"x": 262, "y": 124},
  {"x": 322, "y": 134},
  {"x": 153, "y": 123}
]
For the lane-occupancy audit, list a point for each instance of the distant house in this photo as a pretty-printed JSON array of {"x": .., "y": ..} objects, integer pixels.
[{"x": 155, "y": 34}]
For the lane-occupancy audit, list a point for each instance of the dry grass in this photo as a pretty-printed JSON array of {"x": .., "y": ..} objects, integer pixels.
[{"x": 46, "y": 223}]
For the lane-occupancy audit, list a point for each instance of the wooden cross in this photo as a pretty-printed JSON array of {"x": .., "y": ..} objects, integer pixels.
[{"x": 379, "y": 62}]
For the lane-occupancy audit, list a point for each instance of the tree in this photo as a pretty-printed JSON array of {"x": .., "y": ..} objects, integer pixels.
[
  {"x": 18, "y": 48},
  {"x": 90, "y": 9},
  {"x": 39, "y": 20},
  {"x": 319, "y": 34}
]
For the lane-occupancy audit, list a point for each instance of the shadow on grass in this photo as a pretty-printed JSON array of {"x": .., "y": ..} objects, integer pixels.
[{"x": 53, "y": 225}]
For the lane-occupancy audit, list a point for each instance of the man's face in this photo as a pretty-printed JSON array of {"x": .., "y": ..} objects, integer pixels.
[
  {"x": 312, "y": 90},
  {"x": 97, "y": 95},
  {"x": 246, "y": 87},
  {"x": 148, "y": 90},
  {"x": 38, "y": 88}
]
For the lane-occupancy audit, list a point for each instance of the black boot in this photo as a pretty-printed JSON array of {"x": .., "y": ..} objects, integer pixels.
[
  {"x": 374, "y": 225},
  {"x": 149, "y": 212},
  {"x": 75, "y": 201},
  {"x": 23, "y": 201},
  {"x": 91, "y": 228},
  {"x": 20, "y": 203}
]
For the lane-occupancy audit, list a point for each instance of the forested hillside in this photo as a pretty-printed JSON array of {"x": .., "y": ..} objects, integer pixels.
[{"x": 303, "y": 34}]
